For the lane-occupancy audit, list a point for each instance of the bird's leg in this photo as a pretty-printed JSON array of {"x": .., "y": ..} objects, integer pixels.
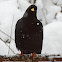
[
  {"x": 34, "y": 55},
  {"x": 21, "y": 53}
]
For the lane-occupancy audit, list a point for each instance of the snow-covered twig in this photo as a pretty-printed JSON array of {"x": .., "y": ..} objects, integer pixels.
[
  {"x": 11, "y": 34},
  {"x": 6, "y": 34},
  {"x": 7, "y": 45},
  {"x": 55, "y": 3}
]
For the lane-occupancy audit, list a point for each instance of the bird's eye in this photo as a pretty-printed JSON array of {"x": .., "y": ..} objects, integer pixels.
[{"x": 32, "y": 9}]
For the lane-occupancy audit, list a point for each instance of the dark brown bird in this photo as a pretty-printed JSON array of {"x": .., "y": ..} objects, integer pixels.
[{"x": 29, "y": 32}]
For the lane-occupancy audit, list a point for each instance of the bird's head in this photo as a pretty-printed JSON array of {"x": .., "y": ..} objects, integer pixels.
[{"x": 31, "y": 11}]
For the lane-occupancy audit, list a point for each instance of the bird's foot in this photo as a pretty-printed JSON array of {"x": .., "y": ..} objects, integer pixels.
[
  {"x": 21, "y": 53},
  {"x": 34, "y": 55}
]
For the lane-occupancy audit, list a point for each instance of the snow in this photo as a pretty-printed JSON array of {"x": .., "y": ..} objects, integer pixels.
[
  {"x": 15, "y": 50},
  {"x": 47, "y": 3},
  {"x": 52, "y": 43},
  {"x": 59, "y": 16},
  {"x": 40, "y": 10},
  {"x": 55, "y": 1},
  {"x": 27, "y": 0},
  {"x": 3, "y": 48},
  {"x": 9, "y": 14},
  {"x": 39, "y": 3},
  {"x": 23, "y": 5},
  {"x": 51, "y": 12},
  {"x": 7, "y": 11},
  {"x": 39, "y": 7},
  {"x": 59, "y": 2},
  {"x": 37, "y": 23},
  {"x": 46, "y": 11},
  {"x": 32, "y": 1}
]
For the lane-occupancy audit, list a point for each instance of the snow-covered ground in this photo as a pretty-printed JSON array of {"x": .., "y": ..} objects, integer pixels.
[
  {"x": 52, "y": 43},
  {"x": 48, "y": 13}
]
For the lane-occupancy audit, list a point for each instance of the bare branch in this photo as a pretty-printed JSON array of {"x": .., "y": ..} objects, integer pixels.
[
  {"x": 6, "y": 34},
  {"x": 7, "y": 45}
]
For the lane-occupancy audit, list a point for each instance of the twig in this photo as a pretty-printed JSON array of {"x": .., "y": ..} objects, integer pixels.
[
  {"x": 6, "y": 34},
  {"x": 11, "y": 34},
  {"x": 7, "y": 45}
]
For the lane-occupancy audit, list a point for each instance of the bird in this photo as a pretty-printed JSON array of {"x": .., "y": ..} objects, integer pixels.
[{"x": 29, "y": 32}]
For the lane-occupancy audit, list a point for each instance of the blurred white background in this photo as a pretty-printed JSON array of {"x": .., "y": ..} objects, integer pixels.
[{"x": 49, "y": 12}]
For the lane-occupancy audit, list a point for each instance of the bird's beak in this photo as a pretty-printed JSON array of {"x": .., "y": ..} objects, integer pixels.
[{"x": 32, "y": 9}]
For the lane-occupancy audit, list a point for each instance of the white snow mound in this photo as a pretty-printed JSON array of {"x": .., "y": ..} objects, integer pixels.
[{"x": 52, "y": 43}]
